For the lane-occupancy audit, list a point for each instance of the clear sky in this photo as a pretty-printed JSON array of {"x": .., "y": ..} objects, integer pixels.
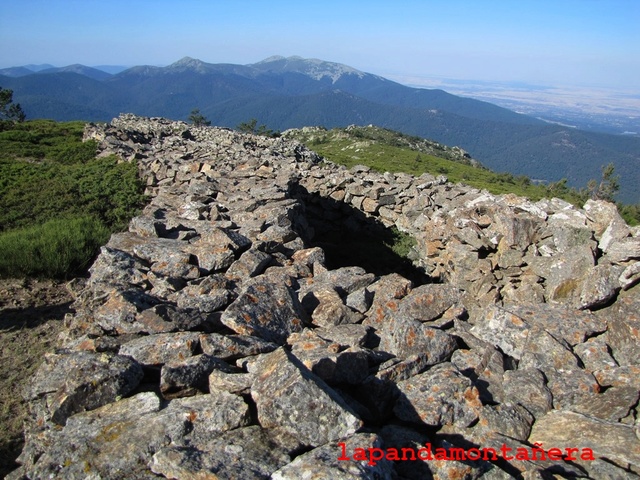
[{"x": 581, "y": 42}]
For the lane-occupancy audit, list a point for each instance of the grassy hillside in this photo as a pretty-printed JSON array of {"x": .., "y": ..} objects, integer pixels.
[
  {"x": 58, "y": 203},
  {"x": 386, "y": 150}
]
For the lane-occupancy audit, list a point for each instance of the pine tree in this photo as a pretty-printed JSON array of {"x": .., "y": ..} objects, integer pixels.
[{"x": 8, "y": 109}]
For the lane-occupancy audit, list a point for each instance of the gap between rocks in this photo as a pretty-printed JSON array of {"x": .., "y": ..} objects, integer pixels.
[{"x": 350, "y": 238}]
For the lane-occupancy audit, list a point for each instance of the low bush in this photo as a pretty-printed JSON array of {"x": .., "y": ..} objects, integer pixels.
[
  {"x": 56, "y": 196},
  {"x": 58, "y": 248}
]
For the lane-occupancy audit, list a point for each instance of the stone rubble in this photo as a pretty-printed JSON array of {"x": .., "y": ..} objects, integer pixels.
[{"x": 212, "y": 340}]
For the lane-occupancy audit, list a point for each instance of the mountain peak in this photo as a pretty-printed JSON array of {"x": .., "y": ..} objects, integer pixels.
[
  {"x": 312, "y": 67},
  {"x": 188, "y": 63}
]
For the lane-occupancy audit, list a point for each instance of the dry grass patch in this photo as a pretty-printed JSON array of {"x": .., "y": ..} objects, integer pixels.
[{"x": 31, "y": 316}]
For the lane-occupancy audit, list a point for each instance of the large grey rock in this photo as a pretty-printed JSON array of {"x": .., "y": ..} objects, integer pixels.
[
  {"x": 406, "y": 337},
  {"x": 623, "y": 334},
  {"x": 527, "y": 387},
  {"x": 290, "y": 397},
  {"x": 387, "y": 290},
  {"x": 167, "y": 318},
  {"x": 513, "y": 421},
  {"x": 119, "y": 309},
  {"x": 209, "y": 415},
  {"x": 267, "y": 310},
  {"x": 348, "y": 335},
  {"x": 328, "y": 360},
  {"x": 440, "y": 396},
  {"x": 600, "y": 215},
  {"x": 613, "y": 442},
  {"x": 156, "y": 350},
  {"x": 232, "y": 347},
  {"x": 251, "y": 263},
  {"x": 513, "y": 329},
  {"x": 327, "y": 308},
  {"x": 428, "y": 302},
  {"x": 243, "y": 453},
  {"x": 630, "y": 276},
  {"x": 486, "y": 367},
  {"x": 114, "y": 441},
  {"x": 346, "y": 279},
  {"x": 82, "y": 381},
  {"x": 335, "y": 460},
  {"x": 602, "y": 284},
  {"x": 595, "y": 355}
]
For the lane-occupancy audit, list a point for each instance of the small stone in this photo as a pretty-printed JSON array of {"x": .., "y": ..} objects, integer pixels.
[
  {"x": 187, "y": 377},
  {"x": 232, "y": 347}
]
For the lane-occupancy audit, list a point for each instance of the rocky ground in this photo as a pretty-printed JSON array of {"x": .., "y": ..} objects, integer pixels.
[
  {"x": 31, "y": 315},
  {"x": 214, "y": 340}
]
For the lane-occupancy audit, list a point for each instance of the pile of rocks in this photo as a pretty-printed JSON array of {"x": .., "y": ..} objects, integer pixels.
[{"x": 212, "y": 341}]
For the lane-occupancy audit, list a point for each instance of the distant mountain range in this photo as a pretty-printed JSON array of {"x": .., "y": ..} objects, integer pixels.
[{"x": 294, "y": 92}]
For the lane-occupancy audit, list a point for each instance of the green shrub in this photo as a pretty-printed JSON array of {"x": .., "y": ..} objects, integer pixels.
[
  {"x": 56, "y": 249},
  {"x": 58, "y": 202},
  {"x": 32, "y": 193}
]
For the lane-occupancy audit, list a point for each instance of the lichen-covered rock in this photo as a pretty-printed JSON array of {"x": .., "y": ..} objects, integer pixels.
[
  {"x": 290, "y": 397},
  {"x": 183, "y": 378},
  {"x": 334, "y": 460},
  {"x": 528, "y": 388},
  {"x": 267, "y": 310},
  {"x": 243, "y": 453},
  {"x": 156, "y": 350},
  {"x": 614, "y": 442},
  {"x": 438, "y": 397},
  {"x": 114, "y": 441},
  {"x": 232, "y": 347},
  {"x": 406, "y": 337},
  {"x": 81, "y": 381},
  {"x": 428, "y": 302}
]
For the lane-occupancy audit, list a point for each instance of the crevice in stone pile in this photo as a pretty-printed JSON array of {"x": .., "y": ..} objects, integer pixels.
[{"x": 350, "y": 238}]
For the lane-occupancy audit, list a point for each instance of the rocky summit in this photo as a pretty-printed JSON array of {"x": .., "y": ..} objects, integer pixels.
[{"x": 217, "y": 338}]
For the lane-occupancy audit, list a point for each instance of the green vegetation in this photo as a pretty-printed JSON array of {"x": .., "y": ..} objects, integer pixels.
[
  {"x": 10, "y": 111},
  {"x": 198, "y": 119},
  {"x": 385, "y": 150},
  {"x": 55, "y": 249},
  {"x": 608, "y": 186},
  {"x": 58, "y": 202},
  {"x": 252, "y": 127}
]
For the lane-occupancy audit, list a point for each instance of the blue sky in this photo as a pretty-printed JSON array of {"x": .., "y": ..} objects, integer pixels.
[{"x": 569, "y": 42}]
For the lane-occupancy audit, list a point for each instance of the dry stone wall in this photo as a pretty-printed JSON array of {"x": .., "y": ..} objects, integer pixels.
[{"x": 212, "y": 341}]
